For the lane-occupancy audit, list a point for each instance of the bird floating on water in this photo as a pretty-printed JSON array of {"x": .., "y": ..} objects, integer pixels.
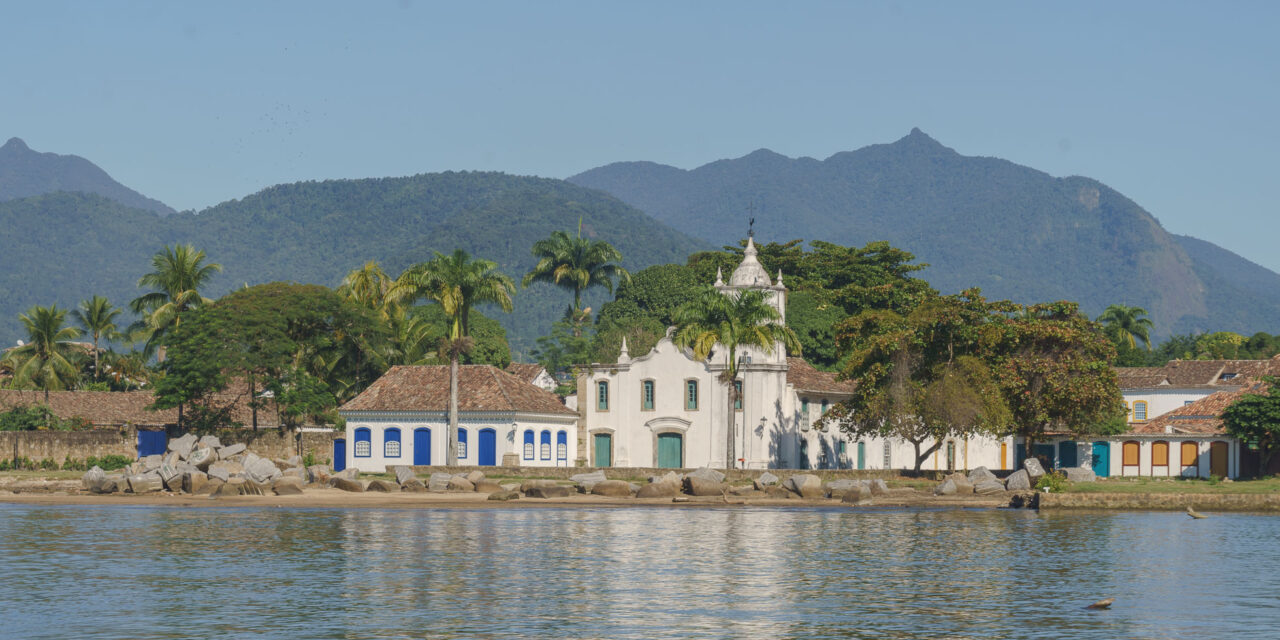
[
  {"x": 1102, "y": 604},
  {"x": 1196, "y": 515}
]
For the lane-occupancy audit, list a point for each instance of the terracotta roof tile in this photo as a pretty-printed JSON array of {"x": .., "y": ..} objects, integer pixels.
[
  {"x": 524, "y": 371},
  {"x": 1202, "y": 417},
  {"x": 480, "y": 388},
  {"x": 804, "y": 377},
  {"x": 101, "y": 408}
]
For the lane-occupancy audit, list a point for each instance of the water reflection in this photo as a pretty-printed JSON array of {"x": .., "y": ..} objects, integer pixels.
[{"x": 121, "y": 572}]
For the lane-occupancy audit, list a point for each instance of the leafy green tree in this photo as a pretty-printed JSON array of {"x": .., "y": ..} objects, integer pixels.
[
  {"x": 814, "y": 323},
  {"x": 920, "y": 375},
  {"x": 1052, "y": 365},
  {"x": 47, "y": 360},
  {"x": 575, "y": 263},
  {"x": 1220, "y": 345},
  {"x": 98, "y": 317},
  {"x": 1255, "y": 419},
  {"x": 178, "y": 273},
  {"x": 458, "y": 283},
  {"x": 277, "y": 335},
  {"x": 1127, "y": 325},
  {"x": 732, "y": 322}
]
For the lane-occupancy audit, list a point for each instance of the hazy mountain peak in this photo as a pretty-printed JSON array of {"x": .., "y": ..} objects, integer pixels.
[
  {"x": 25, "y": 173},
  {"x": 15, "y": 144}
]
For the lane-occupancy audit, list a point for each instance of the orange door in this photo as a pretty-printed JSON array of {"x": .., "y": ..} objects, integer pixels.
[{"x": 1218, "y": 459}]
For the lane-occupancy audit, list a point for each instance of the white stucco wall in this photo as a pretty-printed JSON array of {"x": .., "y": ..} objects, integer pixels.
[
  {"x": 508, "y": 438},
  {"x": 1161, "y": 401}
]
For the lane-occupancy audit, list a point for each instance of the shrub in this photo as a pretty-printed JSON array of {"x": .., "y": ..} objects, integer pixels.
[
  {"x": 309, "y": 459},
  {"x": 108, "y": 462},
  {"x": 48, "y": 464},
  {"x": 74, "y": 465},
  {"x": 1054, "y": 481}
]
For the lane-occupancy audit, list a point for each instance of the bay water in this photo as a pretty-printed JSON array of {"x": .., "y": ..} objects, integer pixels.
[{"x": 633, "y": 572}]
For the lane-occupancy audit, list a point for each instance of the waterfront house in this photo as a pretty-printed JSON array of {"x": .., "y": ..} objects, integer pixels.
[{"x": 402, "y": 419}]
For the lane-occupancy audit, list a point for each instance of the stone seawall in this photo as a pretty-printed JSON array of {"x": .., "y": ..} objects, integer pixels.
[
  {"x": 60, "y": 445},
  {"x": 630, "y": 473},
  {"x": 1162, "y": 501},
  {"x": 80, "y": 445}
]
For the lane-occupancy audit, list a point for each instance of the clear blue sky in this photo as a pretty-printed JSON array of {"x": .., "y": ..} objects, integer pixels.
[{"x": 1174, "y": 104}]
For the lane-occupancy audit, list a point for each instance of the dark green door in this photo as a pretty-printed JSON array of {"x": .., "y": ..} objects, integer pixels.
[
  {"x": 604, "y": 450},
  {"x": 1067, "y": 454},
  {"x": 670, "y": 450}
]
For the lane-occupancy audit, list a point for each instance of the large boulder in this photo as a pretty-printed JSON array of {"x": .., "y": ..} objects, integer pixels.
[
  {"x": 413, "y": 486},
  {"x": 210, "y": 442},
  {"x": 220, "y": 471},
  {"x": 805, "y": 485},
  {"x": 878, "y": 487},
  {"x": 550, "y": 491},
  {"x": 858, "y": 494},
  {"x": 963, "y": 486},
  {"x": 151, "y": 463},
  {"x": 837, "y": 488},
  {"x": 183, "y": 446},
  {"x": 592, "y": 477},
  {"x": 346, "y": 484},
  {"x": 260, "y": 469},
  {"x": 439, "y": 481},
  {"x": 702, "y": 485},
  {"x": 403, "y": 473},
  {"x": 194, "y": 481},
  {"x": 1080, "y": 474},
  {"x": 296, "y": 472},
  {"x": 383, "y": 486},
  {"x": 202, "y": 457},
  {"x": 765, "y": 479},
  {"x": 1034, "y": 469},
  {"x": 460, "y": 483},
  {"x": 706, "y": 474},
  {"x": 662, "y": 489},
  {"x": 147, "y": 483},
  {"x": 669, "y": 477},
  {"x": 612, "y": 489},
  {"x": 988, "y": 487},
  {"x": 980, "y": 474},
  {"x": 231, "y": 450},
  {"x": 111, "y": 484},
  {"x": 318, "y": 473},
  {"x": 529, "y": 484},
  {"x": 227, "y": 489},
  {"x": 778, "y": 492},
  {"x": 503, "y": 496},
  {"x": 93, "y": 478},
  {"x": 947, "y": 488},
  {"x": 287, "y": 486},
  {"x": 350, "y": 473},
  {"x": 1019, "y": 480},
  {"x": 474, "y": 476},
  {"x": 487, "y": 485}
]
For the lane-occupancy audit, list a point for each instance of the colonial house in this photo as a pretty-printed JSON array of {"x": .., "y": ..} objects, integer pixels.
[
  {"x": 402, "y": 419},
  {"x": 534, "y": 374},
  {"x": 1175, "y": 422},
  {"x": 666, "y": 409}
]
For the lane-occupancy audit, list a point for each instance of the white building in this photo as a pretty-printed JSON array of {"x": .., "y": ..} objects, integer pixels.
[
  {"x": 665, "y": 409},
  {"x": 402, "y": 419}
]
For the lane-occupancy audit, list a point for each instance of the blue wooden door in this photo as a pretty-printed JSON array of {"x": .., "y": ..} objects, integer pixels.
[
  {"x": 422, "y": 446},
  {"x": 1101, "y": 459},
  {"x": 339, "y": 454},
  {"x": 670, "y": 451},
  {"x": 488, "y": 448},
  {"x": 151, "y": 443},
  {"x": 1067, "y": 454}
]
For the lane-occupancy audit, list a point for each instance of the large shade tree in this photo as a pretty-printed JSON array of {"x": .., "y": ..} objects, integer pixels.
[
  {"x": 48, "y": 359},
  {"x": 1255, "y": 419},
  {"x": 733, "y": 322},
  {"x": 575, "y": 263},
  {"x": 457, "y": 282},
  {"x": 178, "y": 273},
  {"x": 98, "y": 317}
]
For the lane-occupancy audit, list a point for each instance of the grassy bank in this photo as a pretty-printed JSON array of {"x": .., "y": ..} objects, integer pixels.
[{"x": 1176, "y": 485}]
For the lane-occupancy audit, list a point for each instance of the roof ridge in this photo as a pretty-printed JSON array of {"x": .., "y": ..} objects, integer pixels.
[{"x": 502, "y": 388}]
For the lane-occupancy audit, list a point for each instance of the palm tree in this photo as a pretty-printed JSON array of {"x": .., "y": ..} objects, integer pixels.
[
  {"x": 178, "y": 273},
  {"x": 1127, "y": 324},
  {"x": 575, "y": 263},
  {"x": 457, "y": 282},
  {"x": 47, "y": 359},
  {"x": 97, "y": 316},
  {"x": 732, "y": 322},
  {"x": 370, "y": 287}
]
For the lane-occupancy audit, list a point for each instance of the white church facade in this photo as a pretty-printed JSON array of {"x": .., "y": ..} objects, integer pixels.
[{"x": 665, "y": 409}]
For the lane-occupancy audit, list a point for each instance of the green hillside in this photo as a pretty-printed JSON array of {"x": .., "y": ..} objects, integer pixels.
[
  {"x": 1016, "y": 232},
  {"x": 65, "y": 247},
  {"x": 25, "y": 173}
]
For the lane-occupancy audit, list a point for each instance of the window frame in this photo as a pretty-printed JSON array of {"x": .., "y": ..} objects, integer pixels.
[
  {"x": 648, "y": 395},
  {"x": 1145, "y": 408},
  {"x": 691, "y": 394},
  {"x": 530, "y": 444},
  {"x": 602, "y": 396},
  {"x": 387, "y": 442},
  {"x": 562, "y": 445},
  {"x": 1124, "y": 454},
  {"x": 737, "y": 404},
  {"x": 544, "y": 445},
  {"x": 462, "y": 444},
  {"x": 362, "y": 435},
  {"x": 1155, "y": 450}
]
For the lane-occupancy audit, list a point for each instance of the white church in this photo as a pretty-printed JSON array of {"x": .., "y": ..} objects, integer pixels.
[{"x": 665, "y": 409}]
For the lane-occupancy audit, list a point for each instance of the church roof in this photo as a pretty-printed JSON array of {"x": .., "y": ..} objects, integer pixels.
[
  {"x": 804, "y": 377},
  {"x": 750, "y": 273},
  {"x": 481, "y": 387}
]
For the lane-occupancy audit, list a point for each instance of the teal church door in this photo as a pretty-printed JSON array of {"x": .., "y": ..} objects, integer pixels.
[{"x": 670, "y": 451}]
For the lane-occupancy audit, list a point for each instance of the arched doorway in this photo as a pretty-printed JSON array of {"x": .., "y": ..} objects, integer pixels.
[
  {"x": 422, "y": 446},
  {"x": 670, "y": 451},
  {"x": 488, "y": 454}
]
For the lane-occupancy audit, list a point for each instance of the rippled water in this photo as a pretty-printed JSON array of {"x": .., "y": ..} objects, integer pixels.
[{"x": 137, "y": 572}]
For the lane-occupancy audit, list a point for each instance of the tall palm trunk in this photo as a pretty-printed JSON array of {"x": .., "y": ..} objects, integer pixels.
[
  {"x": 95, "y": 357},
  {"x": 451, "y": 456}
]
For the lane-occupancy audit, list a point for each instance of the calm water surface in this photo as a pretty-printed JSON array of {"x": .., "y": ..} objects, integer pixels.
[{"x": 138, "y": 572}]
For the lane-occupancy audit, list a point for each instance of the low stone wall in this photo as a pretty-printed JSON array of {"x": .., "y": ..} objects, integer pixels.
[
  {"x": 60, "y": 445},
  {"x": 273, "y": 443},
  {"x": 1162, "y": 501},
  {"x": 626, "y": 473}
]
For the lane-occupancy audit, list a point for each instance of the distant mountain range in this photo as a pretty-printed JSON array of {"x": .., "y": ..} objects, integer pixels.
[
  {"x": 1014, "y": 231},
  {"x": 25, "y": 173},
  {"x": 64, "y": 247}
]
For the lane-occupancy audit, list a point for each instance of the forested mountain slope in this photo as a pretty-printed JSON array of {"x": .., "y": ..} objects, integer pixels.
[
  {"x": 25, "y": 173},
  {"x": 1014, "y": 231},
  {"x": 65, "y": 247}
]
